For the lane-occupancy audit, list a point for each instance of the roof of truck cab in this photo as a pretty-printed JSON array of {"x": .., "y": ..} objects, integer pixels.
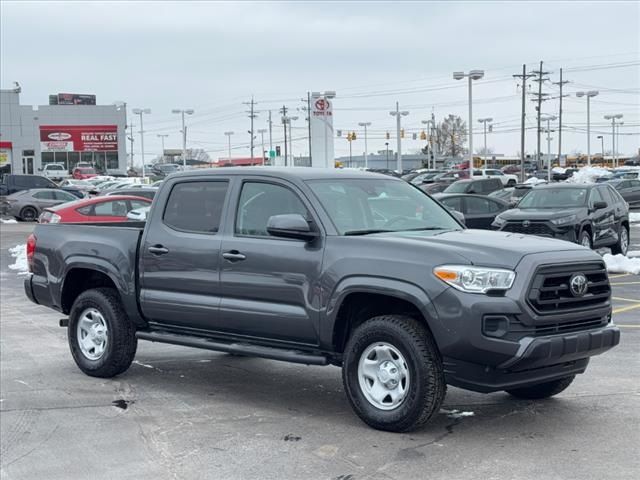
[{"x": 290, "y": 173}]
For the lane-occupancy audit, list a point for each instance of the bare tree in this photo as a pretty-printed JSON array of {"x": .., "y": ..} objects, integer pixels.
[{"x": 451, "y": 136}]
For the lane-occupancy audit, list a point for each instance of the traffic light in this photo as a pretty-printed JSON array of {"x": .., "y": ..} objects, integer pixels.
[
  {"x": 402, "y": 133},
  {"x": 388, "y": 136},
  {"x": 349, "y": 136},
  {"x": 338, "y": 133},
  {"x": 423, "y": 135},
  {"x": 277, "y": 150},
  {"x": 490, "y": 128},
  {"x": 353, "y": 135}
]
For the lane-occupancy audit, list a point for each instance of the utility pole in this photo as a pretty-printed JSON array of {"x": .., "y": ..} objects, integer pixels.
[
  {"x": 398, "y": 114},
  {"x": 162, "y": 136},
  {"x": 541, "y": 79},
  {"x": 560, "y": 84},
  {"x": 131, "y": 141},
  {"x": 309, "y": 123},
  {"x": 283, "y": 111},
  {"x": 366, "y": 154},
  {"x": 270, "y": 136},
  {"x": 524, "y": 78},
  {"x": 436, "y": 152},
  {"x": 252, "y": 115},
  {"x": 262, "y": 131}
]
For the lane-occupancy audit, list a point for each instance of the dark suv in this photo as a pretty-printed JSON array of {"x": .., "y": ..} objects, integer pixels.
[
  {"x": 479, "y": 186},
  {"x": 592, "y": 215}
]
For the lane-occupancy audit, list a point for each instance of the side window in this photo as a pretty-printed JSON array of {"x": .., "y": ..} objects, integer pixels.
[
  {"x": 596, "y": 196},
  {"x": 635, "y": 183},
  {"x": 476, "y": 206},
  {"x": 41, "y": 182},
  {"x": 114, "y": 208},
  {"x": 64, "y": 196},
  {"x": 606, "y": 195},
  {"x": 455, "y": 203},
  {"x": 477, "y": 173},
  {"x": 85, "y": 210},
  {"x": 44, "y": 195},
  {"x": 138, "y": 204},
  {"x": 196, "y": 206},
  {"x": 494, "y": 206},
  {"x": 622, "y": 185},
  {"x": 260, "y": 201}
]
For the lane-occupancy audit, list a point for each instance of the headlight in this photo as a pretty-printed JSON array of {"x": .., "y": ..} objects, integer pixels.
[
  {"x": 475, "y": 279},
  {"x": 564, "y": 220}
]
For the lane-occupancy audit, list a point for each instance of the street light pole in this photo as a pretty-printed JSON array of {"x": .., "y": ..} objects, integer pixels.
[
  {"x": 142, "y": 111},
  {"x": 162, "y": 137},
  {"x": 472, "y": 75},
  {"x": 618, "y": 143},
  {"x": 549, "y": 119},
  {"x": 613, "y": 136},
  {"x": 398, "y": 114},
  {"x": 366, "y": 154},
  {"x": 386, "y": 144},
  {"x": 228, "y": 134},
  {"x": 589, "y": 94},
  {"x": 262, "y": 131},
  {"x": 188, "y": 111},
  {"x": 484, "y": 122},
  {"x": 601, "y": 137}
]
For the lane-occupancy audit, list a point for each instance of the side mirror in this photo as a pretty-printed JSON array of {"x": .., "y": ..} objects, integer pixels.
[
  {"x": 599, "y": 205},
  {"x": 459, "y": 216},
  {"x": 291, "y": 225}
]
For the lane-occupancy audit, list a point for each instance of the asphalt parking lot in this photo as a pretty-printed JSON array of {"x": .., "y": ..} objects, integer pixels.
[{"x": 181, "y": 413}]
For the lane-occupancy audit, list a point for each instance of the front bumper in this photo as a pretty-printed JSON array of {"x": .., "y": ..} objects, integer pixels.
[{"x": 498, "y": 343}]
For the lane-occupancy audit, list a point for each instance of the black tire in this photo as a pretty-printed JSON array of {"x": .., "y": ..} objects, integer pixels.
[
  {"x": 542, "y": 390},
  {"x": 621, "y": 247},
  {"x": 121, "y": 342},
  {"x": 427, "y": 386},
  {"x": 29, "y": 214},
  {"x": 511, "y": 183},
  {"x": 585, "y": 237}
]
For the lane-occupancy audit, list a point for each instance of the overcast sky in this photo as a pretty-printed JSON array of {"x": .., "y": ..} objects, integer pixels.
[{"x": 212, "y": 56}]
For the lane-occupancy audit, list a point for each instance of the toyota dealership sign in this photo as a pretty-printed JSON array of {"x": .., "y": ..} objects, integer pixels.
[{"x": 78, "y": 138}]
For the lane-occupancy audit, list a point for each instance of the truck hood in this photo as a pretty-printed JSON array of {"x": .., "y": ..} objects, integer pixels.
[
  {"x": 480, "y": 247},
  {"x": 539, "y": 213}
]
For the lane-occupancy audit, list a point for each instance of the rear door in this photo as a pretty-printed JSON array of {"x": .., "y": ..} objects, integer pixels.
[
  {"x": 180, "y": 255},
  {"x": 269, "y": 284},
  {"x": 604, "y": 219},
  {"x": 479, "y": 212}
]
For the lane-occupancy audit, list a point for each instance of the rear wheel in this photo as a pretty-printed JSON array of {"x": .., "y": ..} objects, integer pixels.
[
  {"x": 623, "y": 242},
  {"x": 101, "y": 337},
  {"x": 28, "y": 214},
  {"x": 392, "y": 373},
  {"x": 585, "y": 239},
  {"x": 542, "y": 390}
]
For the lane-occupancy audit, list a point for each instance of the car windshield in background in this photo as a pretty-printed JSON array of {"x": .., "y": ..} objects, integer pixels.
[
  {"x": 54, "y": 167},
  {"x": 167, "y": 168},
  {"x": 361, "y": 206},
  {"x": 555, "y": 198}
]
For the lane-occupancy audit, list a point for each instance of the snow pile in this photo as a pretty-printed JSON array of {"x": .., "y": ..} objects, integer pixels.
[
  {"x": 558, "y": 170},
  {"x": 19, "y": 252},
  {"x": 534, "y": 181},
  {"x": 621, "y": 264},
  {"x": 588, "y": 175},
  {"x": 8, "y": 220},
  {"x": 455, "y": 414},
  {"x": 634, "y": 217}
]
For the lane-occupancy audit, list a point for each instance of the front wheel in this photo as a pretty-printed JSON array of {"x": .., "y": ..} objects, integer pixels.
[
  {"x": 542, "y": 390},
  {"x": 392, "y": 373},
  {"x": 585, "y": 239},
  {"x": 101, "y": 337},
  {"x": 28, "y": 214}
]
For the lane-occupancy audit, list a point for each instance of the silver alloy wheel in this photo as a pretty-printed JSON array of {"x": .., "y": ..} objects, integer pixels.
[
  {"x": 92, "y": 334},
  {"x": 383, "y": 376},
  {"x": 624, "y": 241},
  {"x": 586, "y": 241}
]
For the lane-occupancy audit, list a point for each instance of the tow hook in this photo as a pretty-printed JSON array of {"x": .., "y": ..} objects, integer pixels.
[{"x": 64, "y": 322}]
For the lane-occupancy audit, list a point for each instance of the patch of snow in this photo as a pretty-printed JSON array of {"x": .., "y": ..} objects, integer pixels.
[
  {"x": 143, "y": 364},
  {"x": 588, "y": 175},
  {"x": 558, "y": 170},
  {"x": 633, "y": 253},
  {"x": 8, "y": 220},
  {"x": 456, "y": 413},
  {"x": 534, "y": 181},
  {"x": 621, "y": 264},
  {"x": 634, "y": 217},
  {"x": 19, "y": 252}
]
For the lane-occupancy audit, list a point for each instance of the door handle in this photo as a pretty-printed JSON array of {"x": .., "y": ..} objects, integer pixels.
[
  {"x": 158, "y": 250},
  {"x": 233, "y": 256}
]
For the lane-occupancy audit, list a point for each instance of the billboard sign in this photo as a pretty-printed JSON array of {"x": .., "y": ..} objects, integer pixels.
[
  {"x": 322, "y": 154},
  {"x": 72, "y": 99},
  {"x": 78, "y": 138},
  {"x": 5, "y": 153}
]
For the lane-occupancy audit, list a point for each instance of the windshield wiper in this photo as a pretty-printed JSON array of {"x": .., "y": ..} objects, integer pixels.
[
  {"x": 367, "y": 231},
  {"x": 426, "y": 228}
]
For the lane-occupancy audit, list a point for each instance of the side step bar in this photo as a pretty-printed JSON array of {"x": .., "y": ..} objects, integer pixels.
[{"x": 294, "y": 356}]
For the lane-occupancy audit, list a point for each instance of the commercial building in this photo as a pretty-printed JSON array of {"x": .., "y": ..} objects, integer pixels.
[{"x": 66, "y": 133}]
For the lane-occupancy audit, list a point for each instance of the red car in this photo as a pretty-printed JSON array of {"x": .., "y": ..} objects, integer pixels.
[
  {"x": 84, "y": 173},
  {"x": 98, "y": 209}
]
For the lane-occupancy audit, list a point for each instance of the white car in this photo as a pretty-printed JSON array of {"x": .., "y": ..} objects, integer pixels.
[
  {"x": 507, "y": 180},
  {"x": 55, "y": 172},
  {"x": 138, "y": 214}
]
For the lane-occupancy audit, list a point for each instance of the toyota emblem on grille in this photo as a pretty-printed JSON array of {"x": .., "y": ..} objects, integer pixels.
[
  {"x": 578, "y": 285},
  {"x": 526, "y": 223}
]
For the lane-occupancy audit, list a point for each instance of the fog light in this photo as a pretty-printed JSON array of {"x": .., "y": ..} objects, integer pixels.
[{"x": 495, "y": 325}]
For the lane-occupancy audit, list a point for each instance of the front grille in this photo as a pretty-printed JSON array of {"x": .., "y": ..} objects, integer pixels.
[
  {"x": 519, "y": 330},
  {"x": 532, "y": 228},
  {"x": 550, "y": 292}
]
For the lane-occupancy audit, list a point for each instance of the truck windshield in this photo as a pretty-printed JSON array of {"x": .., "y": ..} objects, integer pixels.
[
  {"x": 379, "y": 205},
  {"x": 555, "y": 198}
]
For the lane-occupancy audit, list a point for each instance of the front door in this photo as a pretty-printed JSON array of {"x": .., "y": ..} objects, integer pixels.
[
  {"x": 27, "y": 165},
  {"x": 603, "y": 219},
  {"x": 269, "y": 285},
  {"x": 180, "y": 255}
]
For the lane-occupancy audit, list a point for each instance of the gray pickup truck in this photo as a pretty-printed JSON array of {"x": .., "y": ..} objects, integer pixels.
[{"x": 320, "y": 267}]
